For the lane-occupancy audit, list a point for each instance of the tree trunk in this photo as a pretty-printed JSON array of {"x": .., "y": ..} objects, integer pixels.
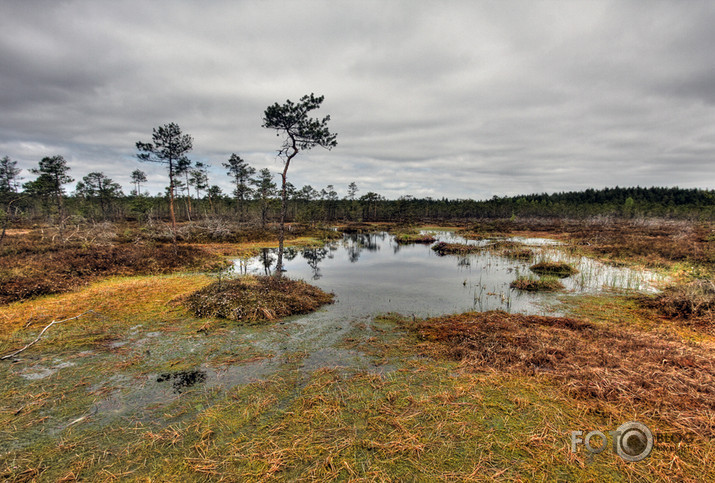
[
  {"x": 171, "y": 206},
  {"x": 188, "y": 197},
  {"x": 281, "y": 231},
  {"x": 284, "y": 207}
]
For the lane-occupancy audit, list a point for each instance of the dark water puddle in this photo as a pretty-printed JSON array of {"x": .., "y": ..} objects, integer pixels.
[{"x": 182, "y": 380}]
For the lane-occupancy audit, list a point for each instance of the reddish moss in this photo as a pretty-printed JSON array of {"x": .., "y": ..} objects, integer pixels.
[{"x": 593, "y": 361}]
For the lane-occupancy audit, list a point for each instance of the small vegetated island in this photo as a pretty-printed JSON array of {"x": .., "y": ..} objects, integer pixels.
[
  {"x": 254, "y": 299},
  {"x": 444, "y": 248},
  {"x": 534, "y": 284},
  {"x": 555, "y": 269}
]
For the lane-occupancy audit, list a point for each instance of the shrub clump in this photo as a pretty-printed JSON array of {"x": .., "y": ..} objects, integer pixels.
[
  {"x": 255, "y": 299},
  {"x": 556, "y": 269},
  {"x": 530, "y": 284}
]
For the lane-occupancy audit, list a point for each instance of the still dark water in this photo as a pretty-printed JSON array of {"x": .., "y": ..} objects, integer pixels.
[{"x": 372, "y": 274}]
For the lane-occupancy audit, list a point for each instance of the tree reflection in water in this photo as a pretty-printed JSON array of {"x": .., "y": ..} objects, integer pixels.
[
  {"x": 314, "y": 256},
  {"x": 266, "y": 257},
  {"x": 356, "y": 243}
]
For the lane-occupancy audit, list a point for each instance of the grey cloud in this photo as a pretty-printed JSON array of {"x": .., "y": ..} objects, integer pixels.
[{"x": 459, "y": 99}]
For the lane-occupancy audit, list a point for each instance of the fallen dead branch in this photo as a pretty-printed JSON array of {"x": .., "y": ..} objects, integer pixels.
[{"x": 13, "y": 354}]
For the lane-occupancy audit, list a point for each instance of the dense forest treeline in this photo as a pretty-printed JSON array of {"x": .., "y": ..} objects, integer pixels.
[{"x": 256, "y": 199}]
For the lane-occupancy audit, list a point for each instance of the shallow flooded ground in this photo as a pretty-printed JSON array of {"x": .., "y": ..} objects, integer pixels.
[{"x": 372, "y": 274}]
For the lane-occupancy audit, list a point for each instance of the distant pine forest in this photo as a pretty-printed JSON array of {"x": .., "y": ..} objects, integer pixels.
[{"x": 310, "y": 205}]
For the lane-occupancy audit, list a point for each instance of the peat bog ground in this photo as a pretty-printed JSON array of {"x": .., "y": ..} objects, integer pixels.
[{"x": 140, "y": 386}]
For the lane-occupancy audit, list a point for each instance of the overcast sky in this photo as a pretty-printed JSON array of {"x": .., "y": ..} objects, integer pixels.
[{"x": 458, "y": 99}]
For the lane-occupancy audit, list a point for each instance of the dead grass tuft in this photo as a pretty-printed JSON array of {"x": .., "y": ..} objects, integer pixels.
[
  {"x": 609, "y": 364},
  {"x": 256, "y": 299},
  {"x": 519, "y": 253}
]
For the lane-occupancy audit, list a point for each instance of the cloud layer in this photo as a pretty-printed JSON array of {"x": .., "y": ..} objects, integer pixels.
[{"x": 463, "y": 99}]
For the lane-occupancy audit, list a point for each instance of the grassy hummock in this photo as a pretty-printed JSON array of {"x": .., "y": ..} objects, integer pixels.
[
  {"x": 556, "y": 269},
  {"x": 531, "y": 284},
  {"x": 255, "y": 299},
  {"x": 443, "y": 248},
  {"x": 406, "y": 238},
  {"x": 32, "y": 268}
]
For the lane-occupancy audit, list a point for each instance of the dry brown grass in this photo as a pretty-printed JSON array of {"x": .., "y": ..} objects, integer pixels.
[
  {"x": 659, "y": 375},
  {"x": 519, "y": 253},
  {"x": 30, "y": 269},
  {"x": 40, "y": 261},
  {"x": 255, "y": 299}
]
